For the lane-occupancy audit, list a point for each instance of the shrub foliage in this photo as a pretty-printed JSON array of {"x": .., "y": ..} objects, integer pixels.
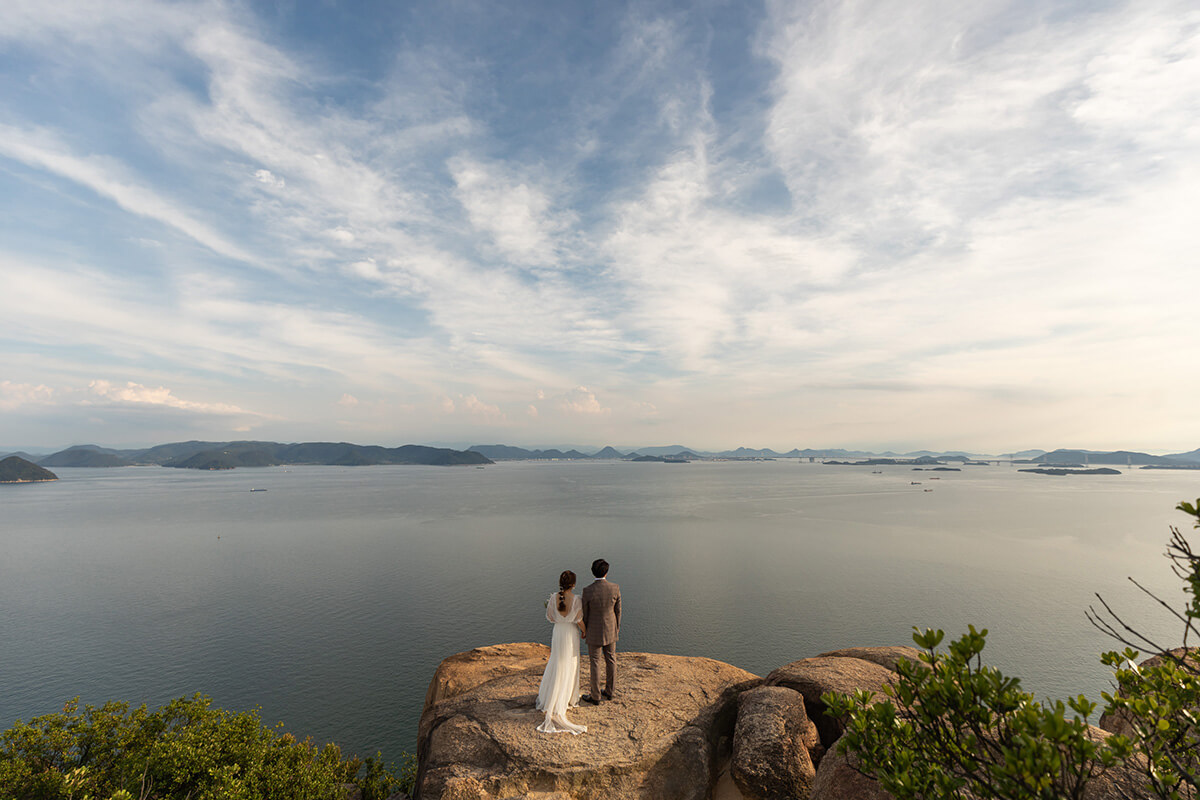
[
  {"x": 185, "y": 750},
  {"x": 953, "y": 727}
]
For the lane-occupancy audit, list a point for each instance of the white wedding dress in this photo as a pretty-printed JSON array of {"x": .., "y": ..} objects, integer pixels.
[{"x": 560, "y": 682}]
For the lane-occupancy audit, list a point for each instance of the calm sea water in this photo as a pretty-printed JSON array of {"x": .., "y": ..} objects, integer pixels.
[{"x": 328, "y": 600}]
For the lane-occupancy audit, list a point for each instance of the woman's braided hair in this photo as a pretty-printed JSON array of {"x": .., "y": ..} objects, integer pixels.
[{"x": 566, "y": 582}]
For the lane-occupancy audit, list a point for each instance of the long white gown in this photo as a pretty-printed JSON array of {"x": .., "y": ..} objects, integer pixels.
[{"x": 560, "y": 682}]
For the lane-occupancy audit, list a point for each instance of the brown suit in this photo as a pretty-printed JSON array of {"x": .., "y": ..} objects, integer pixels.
[{"x": 602, "y": 617}]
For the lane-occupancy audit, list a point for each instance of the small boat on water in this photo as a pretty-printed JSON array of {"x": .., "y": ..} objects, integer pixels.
[{"x": 258, "y": 490}]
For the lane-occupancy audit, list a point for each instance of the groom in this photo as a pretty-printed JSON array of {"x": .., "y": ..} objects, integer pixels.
[{"x": 602, "y": 618}]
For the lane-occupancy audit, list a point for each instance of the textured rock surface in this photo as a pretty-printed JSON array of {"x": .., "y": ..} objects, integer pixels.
[
  {"x": 883, "y": 656},
  {"x": 1124, "y": 782},
  {"x": 812, "y": 677},
  {"x": 464, "y": 671},
  {"x": 836, "y": 780},
  {"x": 773, "y": 744},
  {"x": 661, "y": 738}
]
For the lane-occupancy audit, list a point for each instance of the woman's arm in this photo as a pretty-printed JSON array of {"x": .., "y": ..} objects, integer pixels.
[{"x": 582, "y": 629}]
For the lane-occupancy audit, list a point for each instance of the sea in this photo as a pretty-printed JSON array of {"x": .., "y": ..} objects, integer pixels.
[{"x": 324, "y": 597}]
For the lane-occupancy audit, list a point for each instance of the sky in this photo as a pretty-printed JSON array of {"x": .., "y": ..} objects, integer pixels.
[{"x": 901, "y": 225}]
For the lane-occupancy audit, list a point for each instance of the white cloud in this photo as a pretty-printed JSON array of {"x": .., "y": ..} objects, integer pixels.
[
  {"x": 470, "y": 405},
  {"x": 135, "y": 394},
  {"x": 513, "y": 213},
  {"x": 898, "y": 126},
  {"x": 264, "y": 176},
  {"x": 15, "y": 395},
  {"x": 582, "y": 400},
  {"x": 476, "y": 407},
  {"x": 347, "y": 400},
  {"x": 41, "y": 149}
]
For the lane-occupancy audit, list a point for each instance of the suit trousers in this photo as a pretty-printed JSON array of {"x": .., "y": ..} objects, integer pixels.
[{"x": 610, "y": 667}]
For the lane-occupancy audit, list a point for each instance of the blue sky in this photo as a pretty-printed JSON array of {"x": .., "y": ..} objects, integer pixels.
[{"x": 909, "y": 224}]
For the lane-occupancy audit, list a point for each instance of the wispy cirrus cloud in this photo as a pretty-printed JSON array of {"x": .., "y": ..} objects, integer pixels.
[
  {"x": 41, "y": 149},
  {"x": 776, "y": 221}
]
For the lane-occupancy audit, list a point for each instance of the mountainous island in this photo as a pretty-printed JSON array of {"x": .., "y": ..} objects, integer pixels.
[
  {"x": 15, "y": 469},
  {"x": 230, "y": 455}
]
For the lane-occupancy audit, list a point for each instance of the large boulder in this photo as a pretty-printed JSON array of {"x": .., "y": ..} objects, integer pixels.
[
  {"x": 837, "y": 780},
  {"x": 887, "y": 656},
  {"x": 773, "y": 745},
  {"x": 464, "y": 671},
  {"x": 812, "y": 677},
  {"x": 663, "y": 736}
]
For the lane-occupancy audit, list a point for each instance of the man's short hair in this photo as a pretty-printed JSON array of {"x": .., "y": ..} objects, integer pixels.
[{"x": 599, "y": 567}]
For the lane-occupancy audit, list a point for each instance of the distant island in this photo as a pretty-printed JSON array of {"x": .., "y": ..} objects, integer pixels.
[
  {"x": 1127, "y": 457},
  {"x": 15, "y": 469},
  {"x": 886, "y": 462},
  {"x": 230, "y": 455},
  {"x": 1060, "y": 471}
]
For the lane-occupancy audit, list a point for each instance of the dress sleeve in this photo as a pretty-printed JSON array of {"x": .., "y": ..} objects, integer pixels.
[
  {"x": 550, "y": 607},
  {"x": 576, "y": 611}
]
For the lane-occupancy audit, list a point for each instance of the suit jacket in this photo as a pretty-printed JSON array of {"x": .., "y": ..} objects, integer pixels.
[{"x": 602, "y": 612}]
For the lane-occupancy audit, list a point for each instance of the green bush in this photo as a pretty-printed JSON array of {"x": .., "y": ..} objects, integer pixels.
[
  {"x": 952, "y": 727},
  {"x": 1161, "y": 701},
  {"x": 187, "y": 750}
]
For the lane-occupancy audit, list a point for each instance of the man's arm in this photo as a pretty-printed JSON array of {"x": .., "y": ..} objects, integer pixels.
[{"x": 617, "y": 609}]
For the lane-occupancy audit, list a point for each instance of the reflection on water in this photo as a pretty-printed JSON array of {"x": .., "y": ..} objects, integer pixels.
[{"x": 329, "y": 598}]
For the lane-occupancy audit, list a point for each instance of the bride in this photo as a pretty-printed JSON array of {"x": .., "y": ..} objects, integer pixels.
[{"x": 560, "y": 682}]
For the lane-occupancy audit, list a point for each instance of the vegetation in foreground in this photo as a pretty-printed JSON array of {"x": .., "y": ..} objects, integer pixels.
[
  {"x": 186, "y": 750},
  {"x": 955, "y": 728}
]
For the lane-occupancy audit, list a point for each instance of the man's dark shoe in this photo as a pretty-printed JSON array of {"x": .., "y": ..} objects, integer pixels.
[
  {"x": 607, "y": 695},
  {"x": 587, "y": 698}
]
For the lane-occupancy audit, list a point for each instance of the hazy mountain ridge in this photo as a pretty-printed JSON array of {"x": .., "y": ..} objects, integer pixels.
[
  {"x": 85, "y": 456},
  {"x": 1127, "y": 457},
  {"x": 226, "y": 455},
  {"x": 504, "y": 452},
  {"x": 265, "y": 454}
]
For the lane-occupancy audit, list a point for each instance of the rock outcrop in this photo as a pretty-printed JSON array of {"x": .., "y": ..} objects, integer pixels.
[
  {"x": 887, "y": 656},
  {"x": 674, "y": 726},
  {"x": 837, "y": 780},
  {"x": 812, "y": 677},
  {"x": 664, "y": 735},
  {"x": 775, "y": 745}
]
